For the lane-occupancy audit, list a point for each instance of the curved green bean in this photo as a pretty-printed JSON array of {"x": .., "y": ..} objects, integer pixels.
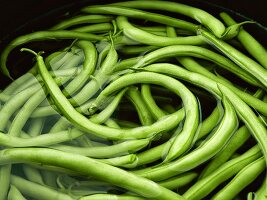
[
  {"x": 145, "y": 37},
  {"x": 40, "y": 35}
]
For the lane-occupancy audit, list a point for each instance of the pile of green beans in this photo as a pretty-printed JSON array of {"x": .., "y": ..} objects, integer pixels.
[{"x": 141, "y": 105}]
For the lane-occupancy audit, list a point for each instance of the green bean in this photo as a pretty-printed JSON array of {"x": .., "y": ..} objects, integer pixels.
[
  {"x": 24, "y": 113},
  {"x": 14, "y": 104},
  {"x": 199, "y": 15},
  {"x": 205, "y": 83},
  {"x": 137, "y": 50},
  {"x": 32, "y": 174},
  {"x": 198, "y": 156},
  {"x": 112, "y": 123},
  {"x": 105, "y": 114},
  {"x": 244, "y": 62},
  {"x": 210, "y": 122},
  {"x": 139, "y": 14},
  {"x": 9, "y": 90},
  {"x": 39, "y": 36},
  {"x": 122, "y": 148},
  {"x": 257, "y": 128},
  {"x": 151, "y": 39},
  {"x": 178, "y": 181},
  {"x": 95, "y": 28},
  {"x": 150, "y": 102},
  {"x": 89, "y": 167},
  {"x": 193, "y": 66},
  {"x": 190, "y": 125},
  {"x": 119, "y": 161},
  {"x": 4, "y": 97},
  {"x": 37, "y": 191},
  {"x": 204, "y": 186},
  {"x": 80, "y": 121},
  {"x": 238, "y": 139},
  {"x": 144, "y": 114},
  {"x": 199, "y": 52},
  {"x": 14, "y": 194},
  {"x": 88, "y": 67},
  {"x": 246, "y": 176},
  {"x": 253, "y": 47},
  {"x": 82, "y": 19},
  {"x": 97, "y": 81},
  {"x": 36, "y": 127},
  {"x": 110, "y": 197}
]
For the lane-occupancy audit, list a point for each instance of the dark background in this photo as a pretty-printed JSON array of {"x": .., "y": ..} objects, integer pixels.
[{"x": 23, "y": 16}]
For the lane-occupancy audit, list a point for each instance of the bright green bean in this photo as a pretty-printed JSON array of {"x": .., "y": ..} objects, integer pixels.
[
  {"x": 199, "y": 52},
  {"x": 37, "y": 191},
  {"x": 191, "y": 106},
  {"x": 204, "y": 186},
  {"x": 248, "y": 41},
  {"x": 199, "y": 15},
  {"x": 143, "y": 112},
  {"x": 82, "y": 19},
  {"x": 205, "y": 83},
  {"x": 88, "y": 67},
  {"x": 244, "y": 62},
  {"x": 98, "y": 80},
  {"x": 95, "y": 28},
  {"x": 200, "y": 155},
  {"x": 150, "y": 102},
  {"x": 88, "y": 167},
  {"x": 122, "y": 148},
  {"x": 238, "y": 139},
  {"x": 40, "y": 35},
  {"x": 246, "y": 176},
  {"x": 139, "y": 14},
  {"x": 178, "y": 181},
  {"x": 79, "y": 120},
  {"x": 145, "y": 37}
]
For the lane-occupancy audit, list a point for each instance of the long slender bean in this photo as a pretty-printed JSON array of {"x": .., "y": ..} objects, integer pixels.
[
  {"x": 151, "y": 39},
  {"x": 139, "y": 14},
  {"x": 39, "y": 36},
  {"x": 82, "y": 19},
  {"x": 89, "y": 167},
  {"x": 204, "y": 186},
  {"x": 244, "y": 62},
  {"x": 203, "y": 17},
  {"x": 248, "y": 41},
  {"x": 241, "y": 180},
  {"x": 198, "y": 156}
]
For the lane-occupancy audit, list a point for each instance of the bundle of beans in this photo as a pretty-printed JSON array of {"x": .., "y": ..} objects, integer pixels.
[{"x": 140, "y": 105}]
